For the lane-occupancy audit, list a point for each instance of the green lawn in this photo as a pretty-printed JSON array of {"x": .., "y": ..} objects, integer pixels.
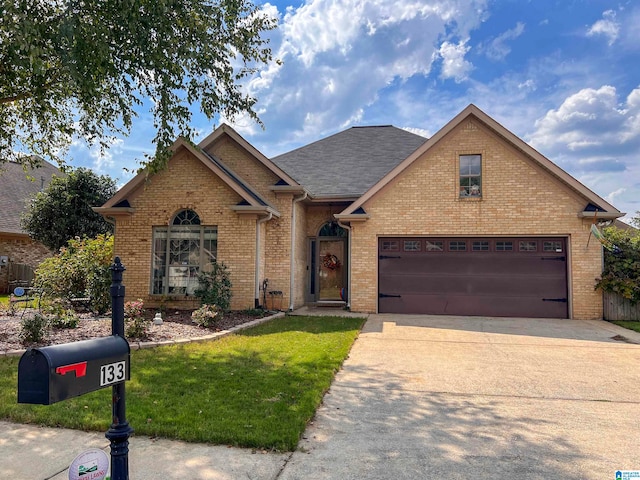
[
  {"x": 258, "y": 388},
  {"x": 629, "y": 324},
  {"x": 4, "y": 299}
]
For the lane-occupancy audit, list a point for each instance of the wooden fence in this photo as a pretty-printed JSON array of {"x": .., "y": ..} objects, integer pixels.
[
  {"x": 619, "y": 308},
  {"x": 20, "y": 274}
]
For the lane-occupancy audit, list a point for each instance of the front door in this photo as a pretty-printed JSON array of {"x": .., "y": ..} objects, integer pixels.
[{"x": 331, "y": 269}]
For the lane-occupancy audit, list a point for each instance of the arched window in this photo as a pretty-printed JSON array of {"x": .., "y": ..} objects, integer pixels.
[
  {"x": 180, "y": 252},
  {"x": 332, "y": 229}
]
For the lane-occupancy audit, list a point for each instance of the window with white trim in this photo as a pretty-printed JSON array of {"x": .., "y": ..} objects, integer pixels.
[
  {"x": 471, "y": 176},
  {"x": 180, "y": 252}
]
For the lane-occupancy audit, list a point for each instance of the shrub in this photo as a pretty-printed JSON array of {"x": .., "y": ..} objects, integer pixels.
[
  {"x": 134, "y": 309},
  {"x": 79, "y": 270},
  {"x": 136, "y": 325},
  {"x": 34, "y": 329},
  {"x": 621, "y": 273},
  {"x": 215, "y": 287},
  {"x": 59, "y": 315},
  {"x": 205, "y": 316},
  {"x": 68, "y": 320}
]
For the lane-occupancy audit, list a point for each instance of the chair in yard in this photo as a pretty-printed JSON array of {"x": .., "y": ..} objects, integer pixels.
[{"x": 30, "y": 297}]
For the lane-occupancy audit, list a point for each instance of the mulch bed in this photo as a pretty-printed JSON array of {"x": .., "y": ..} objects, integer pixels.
[{"x": 176, "y": 325}]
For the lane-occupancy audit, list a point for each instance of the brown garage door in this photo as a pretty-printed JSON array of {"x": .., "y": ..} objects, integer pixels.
[{"x": 504, "y": 277}]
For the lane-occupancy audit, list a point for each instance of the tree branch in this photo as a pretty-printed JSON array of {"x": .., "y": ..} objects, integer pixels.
[{"x": 24, "y": 95}]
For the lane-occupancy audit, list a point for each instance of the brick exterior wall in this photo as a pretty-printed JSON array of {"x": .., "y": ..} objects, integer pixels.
[
  {"x": 518, "y": 198},
  {"x": 20, "y": 249},
  {"x": 275, "y": 263},
  {"x": 189, "y": 184},
  {"x": 185, "y": 184},
  {"x": 301, "y": 263}
]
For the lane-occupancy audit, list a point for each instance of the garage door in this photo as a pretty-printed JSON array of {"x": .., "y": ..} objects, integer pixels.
[{"x": 504, "y": 277}]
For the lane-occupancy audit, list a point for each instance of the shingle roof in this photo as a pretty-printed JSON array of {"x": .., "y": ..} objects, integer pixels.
[
  {"x": 350, "y": 162},
  {"x": 16, "y": 189}
]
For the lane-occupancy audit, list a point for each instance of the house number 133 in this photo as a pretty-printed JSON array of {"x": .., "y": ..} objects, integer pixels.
[{"x": 112, "y": 373}]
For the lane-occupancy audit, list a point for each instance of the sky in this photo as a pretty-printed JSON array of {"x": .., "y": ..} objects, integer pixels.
[{"x": 563, "y": 75}]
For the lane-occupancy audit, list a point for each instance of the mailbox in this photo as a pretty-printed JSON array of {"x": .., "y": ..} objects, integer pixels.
[{"x": 50, "y": 374}]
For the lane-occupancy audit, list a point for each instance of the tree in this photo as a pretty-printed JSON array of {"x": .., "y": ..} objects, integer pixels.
[
  {"x": 635, "y": 221},
  {"x": 621, "y": 273},
  {"x": 63, "y": 211},
  {"x": 72, "y": 68}
]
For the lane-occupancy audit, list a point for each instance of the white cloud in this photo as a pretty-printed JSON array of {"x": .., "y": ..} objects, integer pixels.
[
  {"x": 103, "y": 160},
  {"x": 591, "y": 118},
  {"x": 453, "y": 63},
  {"x": 606, "y": 26},
  {"x": 596, "y": 137},
  {"x": 418, "y": 131},
  {"x": 498, "y": 48},
  {"x": 616, "y": 193},
  {"x": 529, "y": 85},
  {"x": 339, "y": 56}
]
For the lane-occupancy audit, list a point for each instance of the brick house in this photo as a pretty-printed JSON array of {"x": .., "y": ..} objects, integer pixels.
[
  {"x": 472, "y": 221},
  {"x": 19, "y": 255}
]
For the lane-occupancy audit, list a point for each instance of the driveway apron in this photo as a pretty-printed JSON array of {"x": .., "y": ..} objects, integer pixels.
[{"x": 478, "y": 398}]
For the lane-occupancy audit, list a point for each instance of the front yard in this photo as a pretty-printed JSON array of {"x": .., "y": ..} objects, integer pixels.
[
  {"x": 257, "y": 388},
  {"x": 628, "y": 324}
]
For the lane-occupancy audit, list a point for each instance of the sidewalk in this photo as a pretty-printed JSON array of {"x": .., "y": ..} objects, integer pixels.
[{"x": 33, "y": 453}]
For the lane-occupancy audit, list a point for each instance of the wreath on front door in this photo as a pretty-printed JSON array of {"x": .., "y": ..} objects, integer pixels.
[{"x": 330, "y": 261}]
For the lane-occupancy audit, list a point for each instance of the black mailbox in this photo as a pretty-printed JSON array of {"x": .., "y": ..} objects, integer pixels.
[{"x": 50, "y": 374}]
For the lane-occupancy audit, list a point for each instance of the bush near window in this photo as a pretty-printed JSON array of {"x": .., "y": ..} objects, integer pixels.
[
  {"x": 205, "y": 316},
  {"x": 215, "y": 287},
  {"x": 136, "y": 325},
  {"x": 80, "y": 270},
  {"x": 621, "y": 273}
]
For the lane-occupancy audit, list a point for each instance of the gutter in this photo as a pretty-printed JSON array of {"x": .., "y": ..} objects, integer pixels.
[
  {"x": 293, "y": 248},
  {"x": 259, "y": 222},
  {"x": 348, "y": 228}
]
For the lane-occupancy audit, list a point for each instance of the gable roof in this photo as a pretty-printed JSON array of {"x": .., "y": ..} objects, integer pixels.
[
  {"x": 250, "y": 198},
  {"x": 350, "y": 162},
  {"x": 225, "y": 129},
  {"x": 473, "y": 111},
  {"x": 16, "y": 190}
]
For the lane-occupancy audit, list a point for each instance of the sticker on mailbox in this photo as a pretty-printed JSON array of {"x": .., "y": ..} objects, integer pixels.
[{"x": 113, "y": 373}]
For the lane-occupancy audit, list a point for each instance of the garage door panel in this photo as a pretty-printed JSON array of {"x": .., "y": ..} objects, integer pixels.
[
  {"x": 472, "y": 264},
  {"x": 472, "y": 305},
  {"x": 519, "y": 284},
  {"x": 494, "y": 281}
]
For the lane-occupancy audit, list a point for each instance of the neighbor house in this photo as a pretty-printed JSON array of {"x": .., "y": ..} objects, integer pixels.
[
  {"x": 19, "y": 254},
  {"x": 472, "y": 221}
]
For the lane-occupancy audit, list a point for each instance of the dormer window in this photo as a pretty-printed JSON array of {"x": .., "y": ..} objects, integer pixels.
[{"x": 471, "y": 176}]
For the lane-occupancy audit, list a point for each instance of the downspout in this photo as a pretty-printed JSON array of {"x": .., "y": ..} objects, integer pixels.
[
  {"x": 259, "y": 222},
  {"x": 348, "y": 228},
  {"x": 293, "y": 248}
]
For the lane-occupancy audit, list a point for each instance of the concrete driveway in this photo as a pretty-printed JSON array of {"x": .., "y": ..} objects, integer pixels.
[{"x": 424, "y": 397}]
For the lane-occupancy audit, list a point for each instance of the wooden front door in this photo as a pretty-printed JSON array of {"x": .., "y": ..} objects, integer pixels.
[{"x": 331, "y": 269}]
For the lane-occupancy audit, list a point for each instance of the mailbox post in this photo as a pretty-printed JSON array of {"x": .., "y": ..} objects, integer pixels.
[
  {"x": 118, "y": 433},
  {"x": 51, "y": 374}
]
